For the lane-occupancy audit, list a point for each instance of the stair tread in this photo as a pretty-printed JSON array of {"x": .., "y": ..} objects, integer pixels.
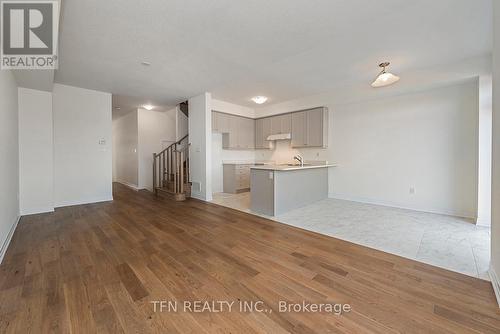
[
  {"x": 165, "y": 193},
  {"x": 166, "y": 190}
]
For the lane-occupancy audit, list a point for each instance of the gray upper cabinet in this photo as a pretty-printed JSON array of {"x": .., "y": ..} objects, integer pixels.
[
  {"x": 246, "y": 133},
  {"x": 230, "y": 139},
  {"x": 238, "y": 133},
  {"x": 275, "y": 125},
  {"x": 251, "y": 133},
  {"x": 266, "y": 129},
  {"x": 315, "y": 130},
  {"x": 286, "y": 123},
  {"x": 223, "y": 122},
  {"x": 220, "y": 122},
  {"x": 281, "y": 124},
  {"x": 259, "y": 133},
  {"x": 299, "y": 129},
  {"x": 262, "y": 131},
  {"x": 215, "y": 124},
  {"x": 310, "y": 128}
]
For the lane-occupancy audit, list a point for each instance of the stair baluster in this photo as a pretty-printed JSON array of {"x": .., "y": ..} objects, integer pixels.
[{"x": 171, "y": 170}]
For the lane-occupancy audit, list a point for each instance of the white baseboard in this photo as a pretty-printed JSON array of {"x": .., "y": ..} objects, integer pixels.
[
  {"x": 395, "y": 205},
  {"x": 82, "y": 202},
  {"x": 130, "y": 185},
  {"x": 199, "y": 196},
  {"x": 486, "y": 222},
  {"x": 33, "y": 211},
  {"x": 495, "y": 282},
  {"x": 8, "y": 239}
]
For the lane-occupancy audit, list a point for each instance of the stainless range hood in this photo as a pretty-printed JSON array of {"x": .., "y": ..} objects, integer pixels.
[{"x": 281, "y": 136}]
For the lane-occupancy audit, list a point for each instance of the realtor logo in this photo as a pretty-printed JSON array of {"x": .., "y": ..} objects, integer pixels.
[{"x": 29, "y": 34}]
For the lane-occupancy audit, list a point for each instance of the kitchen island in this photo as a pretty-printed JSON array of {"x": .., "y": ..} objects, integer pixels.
[{"x": 276, "y": 189}]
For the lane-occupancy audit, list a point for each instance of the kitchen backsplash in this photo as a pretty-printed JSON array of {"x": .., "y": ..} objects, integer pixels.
[{"x": 284, "y": 153}]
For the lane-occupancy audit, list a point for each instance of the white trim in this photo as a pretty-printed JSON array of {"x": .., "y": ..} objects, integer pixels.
[
  {"x": 394, "y": 205},
  {"x": 89, "y": 201},
  {"x": 34, "y": 211},
  {"x": 9, "y": 238},
  {"x": 199, "y": 196},
  {"x": 130, "y": 185},
  {"x": 486, "y": 222},
  {"x": 495, "y": 282}
]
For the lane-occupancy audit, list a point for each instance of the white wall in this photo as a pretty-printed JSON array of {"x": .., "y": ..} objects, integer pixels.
[
  {"x": 154, "y": 127},
  {"x": 495, "y": 218},
  {"x": 200, "y": 151},
  {"x": 485, "y": 151},
  {"x": 9, "y": 159},
  {"x": 431, "y": 78},
  {"x": 125, "y": 146},
  {"x": 181, "y": 124},
  {"x": 36, "y": 158},
  {"x": 82, "y": 146},
  {"x": 426, "y": 140},
  {"x": 231, "y": 108}
]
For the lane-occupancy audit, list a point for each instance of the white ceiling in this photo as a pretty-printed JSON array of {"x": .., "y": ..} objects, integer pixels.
[
  {"x": 283, "y": 49},
  {"x": 124, "y": 104}
]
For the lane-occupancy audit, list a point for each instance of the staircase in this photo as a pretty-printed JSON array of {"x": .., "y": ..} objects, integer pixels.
[
  {"x": 171, "y": 171},
  {"x": 183, "y": 106}
]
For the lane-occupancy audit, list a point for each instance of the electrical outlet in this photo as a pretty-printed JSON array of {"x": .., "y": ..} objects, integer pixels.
[{"x": 412, "y": 190}]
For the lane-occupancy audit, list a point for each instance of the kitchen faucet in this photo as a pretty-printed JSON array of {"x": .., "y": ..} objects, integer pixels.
[{"x": 299, "y": 159}]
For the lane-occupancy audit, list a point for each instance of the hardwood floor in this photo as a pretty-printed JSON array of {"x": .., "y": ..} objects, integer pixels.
[{"x": 97, "y": 268}]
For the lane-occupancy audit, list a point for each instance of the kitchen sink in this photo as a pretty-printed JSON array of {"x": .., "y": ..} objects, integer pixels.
[{"x": 296, "y": 165}]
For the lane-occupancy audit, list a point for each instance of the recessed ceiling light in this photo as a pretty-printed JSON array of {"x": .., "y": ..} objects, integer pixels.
[
  {"x": 148, "y": 107},
  {"x": 259, "y": 99},
  {"x": 384, "y": 78},
  {"x": 145, "y": 63}
]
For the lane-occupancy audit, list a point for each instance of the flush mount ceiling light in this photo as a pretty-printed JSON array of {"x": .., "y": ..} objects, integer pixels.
[
  {"x": 148, "y": 107},
  {"x": 259, "y": 99},
  {"x": 385, "y": 78}
]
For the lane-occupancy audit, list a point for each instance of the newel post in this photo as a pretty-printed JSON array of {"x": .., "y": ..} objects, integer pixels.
[{"x": 154, "y": 174}]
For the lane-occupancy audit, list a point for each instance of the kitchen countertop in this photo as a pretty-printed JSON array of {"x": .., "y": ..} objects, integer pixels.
[
  {"x": 276, "y": 189},
  {"x": 246, "y": 162},
  {"x": 286, "y": 167}
]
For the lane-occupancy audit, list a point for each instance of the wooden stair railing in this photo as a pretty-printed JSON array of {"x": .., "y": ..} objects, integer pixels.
[{"x": 171, "y": 171}]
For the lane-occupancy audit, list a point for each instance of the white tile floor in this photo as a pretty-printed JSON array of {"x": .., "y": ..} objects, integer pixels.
[{"x": 444, "y": 241}]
